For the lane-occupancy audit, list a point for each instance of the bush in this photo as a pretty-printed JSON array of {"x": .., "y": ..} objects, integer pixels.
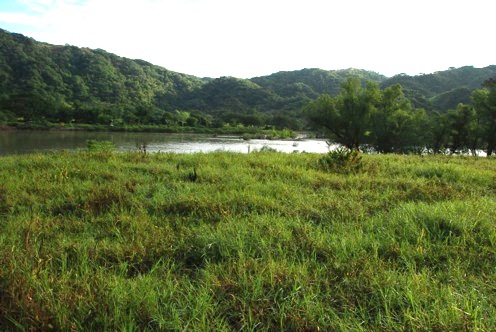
[
  {"x": 267, "y": 148},
  {"x": 341, "y": 161}
]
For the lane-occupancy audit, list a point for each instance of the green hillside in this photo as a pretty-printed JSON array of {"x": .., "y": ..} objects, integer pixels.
[
  {"x": 312, "y": 82},
  {"x": 42, "y": 83},
  {"x": 67, "y": 83},
  {"x": 442, "y": 90}
]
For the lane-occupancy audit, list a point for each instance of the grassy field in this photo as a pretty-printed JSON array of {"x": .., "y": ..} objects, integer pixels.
[{"x": 265, "y": 241}]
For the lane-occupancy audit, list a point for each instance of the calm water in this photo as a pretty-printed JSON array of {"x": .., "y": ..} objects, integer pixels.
[{"x": 12, "y": 142}]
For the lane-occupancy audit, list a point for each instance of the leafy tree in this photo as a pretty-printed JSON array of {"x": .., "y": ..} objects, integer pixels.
[
  {"x": 281, "y": 121},
  {"x": 410, "y": 130},
  {"x": 485, "y": 105},
  {"x": 463, "y": 127},
  {"x": 347, "y": 116},
  {"x": 193, "y": 121},
  {"x": 392, "y": 121},
  {"x": 204, "y": 120},
  {"x": 6, "y": 116},
  {"x": 182, "y": 117},
  {"x": 437, "y": 131}
]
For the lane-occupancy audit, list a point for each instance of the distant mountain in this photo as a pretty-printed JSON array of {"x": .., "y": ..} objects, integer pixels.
[
  {"x": 298, "y": 87},
  {"x": 442, "y": 90},
  {"x": 312, "y": 82},
  {"x": 38, "y": 79},
  {"x": 230, "y": 93},
  {"x": 276, "y": 92},
  {"x": 71, "y": 84}
]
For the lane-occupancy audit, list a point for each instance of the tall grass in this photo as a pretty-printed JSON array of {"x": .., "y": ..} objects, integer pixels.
[{"x": 265, "y": 241}]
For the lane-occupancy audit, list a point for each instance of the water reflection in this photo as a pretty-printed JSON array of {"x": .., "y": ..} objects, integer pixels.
[{"x": 42, "y": 141}]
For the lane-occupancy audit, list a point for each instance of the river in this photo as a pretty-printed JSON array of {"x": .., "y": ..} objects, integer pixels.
[{"x": 15, "y": 142}]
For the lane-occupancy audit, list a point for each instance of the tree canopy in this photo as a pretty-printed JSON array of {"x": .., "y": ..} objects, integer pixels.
[
  {"x": 485, "y": 105},
  {"x": 386, "y": 120}
]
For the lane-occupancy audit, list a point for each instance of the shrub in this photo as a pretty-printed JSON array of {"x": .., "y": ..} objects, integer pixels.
[
  {"x": 267, "y": 148},
  {"x": 341, "y": 160}
]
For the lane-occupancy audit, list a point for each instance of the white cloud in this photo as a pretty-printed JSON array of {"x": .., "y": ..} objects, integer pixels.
[
  {"x": 250, "y": 38},
  {"x": 20, "y": 18}
]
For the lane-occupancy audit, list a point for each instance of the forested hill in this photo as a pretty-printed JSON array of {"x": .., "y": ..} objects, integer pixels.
[
  {"x": 443, "y": 90},
  {"x": 66, "y": 82},
  {"x": 39, "y": 81},
  {"x": 312, "y": 82}
]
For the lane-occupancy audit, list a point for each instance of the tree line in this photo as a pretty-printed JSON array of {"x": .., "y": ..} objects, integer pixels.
[{"x": 365, "y": 116}]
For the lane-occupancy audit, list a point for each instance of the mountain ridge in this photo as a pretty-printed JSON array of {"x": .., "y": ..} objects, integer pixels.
[{"x": 67, "y": 83}]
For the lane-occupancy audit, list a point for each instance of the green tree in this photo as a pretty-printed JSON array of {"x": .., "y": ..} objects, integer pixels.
[
  {"x": 463, "y": 128},
  {"x": 484, "y": 101},
  {"x": 437, "y": 130},
  {"x": 6, "y": 116},
  {"x": 182, "y": 117},
  {"x": 416, "y": 136},
  {"x": 347, "y": 116},
  {"x": 393, "y": 121}
]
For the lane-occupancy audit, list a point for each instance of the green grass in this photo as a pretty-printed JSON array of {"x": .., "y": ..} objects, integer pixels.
[{"x": 265, "y": 241}]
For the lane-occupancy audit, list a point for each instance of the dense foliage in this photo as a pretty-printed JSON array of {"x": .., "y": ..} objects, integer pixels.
[
  {"x": 70, "y": 84},
  {"x": 386, "y": 120},
  {"x": 135, "y": 241},
  {"x": 41, "y": 83}
]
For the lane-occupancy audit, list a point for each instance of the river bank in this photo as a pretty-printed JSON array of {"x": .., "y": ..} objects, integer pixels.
[{"x": 240, "y": 130}]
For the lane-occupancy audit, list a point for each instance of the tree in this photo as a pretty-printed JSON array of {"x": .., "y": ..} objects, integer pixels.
[
  {"x": 410, "y": 130},
  {"x": 438, "y": 131},
  {"x": 463, "y": 126},
  {"x": 484, "y": 101},
  {"x": 347, "y": 116},
  {"x": 393, "y": 121},
  {"x": 6, "y": 116},
  {"x": 182, "y": 117}
]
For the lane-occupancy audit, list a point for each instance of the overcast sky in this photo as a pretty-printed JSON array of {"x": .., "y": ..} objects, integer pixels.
[{"x": 248, "y": 38}]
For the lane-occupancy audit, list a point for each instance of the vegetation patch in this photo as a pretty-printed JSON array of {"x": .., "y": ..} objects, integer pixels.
[
  {"x": 4, "y": 201},
  {"x": 341, "y": 160},
  {"x": 260, "y": 241}
]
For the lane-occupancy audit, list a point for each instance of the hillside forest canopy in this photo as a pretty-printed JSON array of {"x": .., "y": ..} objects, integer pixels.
[{"x": 43, "y": 85}]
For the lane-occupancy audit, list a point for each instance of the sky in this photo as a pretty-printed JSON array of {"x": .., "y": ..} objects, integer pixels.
[{"x": 249, "y": 38}]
